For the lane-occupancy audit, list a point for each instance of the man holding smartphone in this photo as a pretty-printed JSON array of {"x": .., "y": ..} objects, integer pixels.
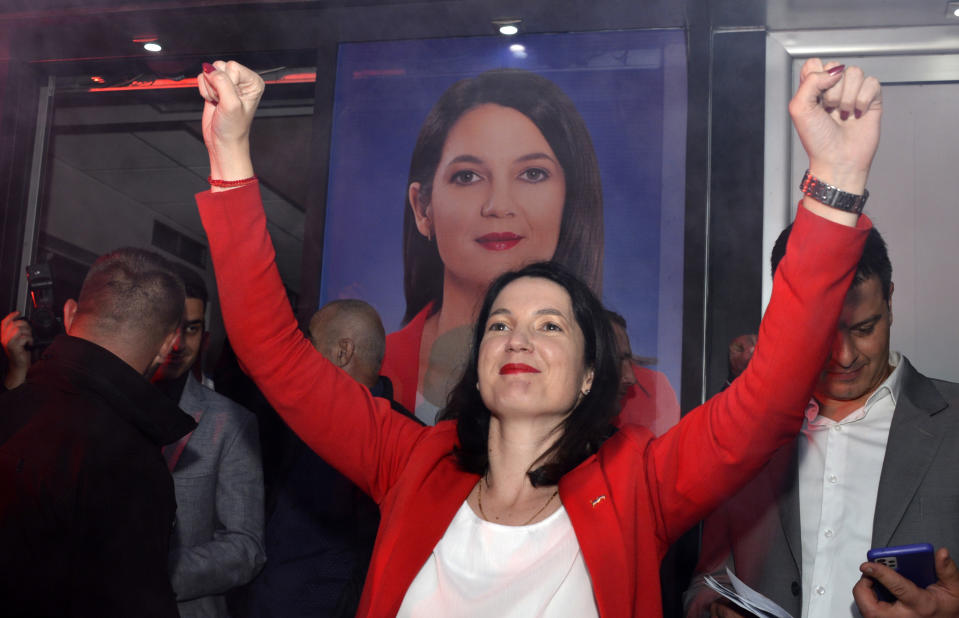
[{"x": 874, "y": 466}]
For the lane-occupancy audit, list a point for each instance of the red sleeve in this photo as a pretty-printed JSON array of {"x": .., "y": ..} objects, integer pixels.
[
  {"x": 337, "y": 417},
  {"x": 721, "y": 444}
]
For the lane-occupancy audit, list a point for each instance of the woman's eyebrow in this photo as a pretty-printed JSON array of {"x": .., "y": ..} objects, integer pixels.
[
  {"x": 533, "y": 156},
  {"x": 551, "y": 311},
  {"x": 465, "y": 158},
  {"x": 546, "y": 311}
]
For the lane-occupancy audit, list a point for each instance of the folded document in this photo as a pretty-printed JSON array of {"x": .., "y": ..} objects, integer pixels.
[{"x": 746, "y": 598}]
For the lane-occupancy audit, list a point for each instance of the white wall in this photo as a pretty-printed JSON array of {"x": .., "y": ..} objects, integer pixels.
[
  {"x": 914, "y": 187},
  {"x": 914, "y": 203}
]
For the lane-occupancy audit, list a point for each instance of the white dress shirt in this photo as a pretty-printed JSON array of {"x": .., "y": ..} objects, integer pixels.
[{"x": 839, "y": 468}]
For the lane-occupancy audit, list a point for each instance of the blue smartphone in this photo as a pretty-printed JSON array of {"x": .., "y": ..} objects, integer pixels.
[{"x": 914, "y": 562}]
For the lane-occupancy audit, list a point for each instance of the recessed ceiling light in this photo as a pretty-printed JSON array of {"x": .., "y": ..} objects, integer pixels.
[
  {"x": 952, "y": 9},
  {"x": 152, "y": 46},
  {"x": 508, "y": 26}
]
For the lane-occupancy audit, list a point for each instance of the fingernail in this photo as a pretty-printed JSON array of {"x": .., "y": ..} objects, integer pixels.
[
  {"x": 858, "y": 114},
  {"x": 844, "y": 115},
  {"x": 836, "y": 70},
  {"x": 208, "y": 68},
  {"x": 867, "y": 570},
  {"x": 829, "y": 110}
]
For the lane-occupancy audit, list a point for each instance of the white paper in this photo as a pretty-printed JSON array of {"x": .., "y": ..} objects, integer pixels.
[{"x": 746, "y": 598}]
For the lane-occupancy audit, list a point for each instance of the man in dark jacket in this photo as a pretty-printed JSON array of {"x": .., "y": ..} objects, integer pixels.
[
  {"x": 321, "y": 527},
  {"x": 86, "y": 500}
]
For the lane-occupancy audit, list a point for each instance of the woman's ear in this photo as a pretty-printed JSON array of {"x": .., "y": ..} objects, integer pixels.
[
  {"x": 421, "y": 212},
  {"x": 587, "y": 382}
]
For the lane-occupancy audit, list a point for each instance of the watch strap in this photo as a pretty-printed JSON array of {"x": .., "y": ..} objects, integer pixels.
[{"x": 832, "y": 196}]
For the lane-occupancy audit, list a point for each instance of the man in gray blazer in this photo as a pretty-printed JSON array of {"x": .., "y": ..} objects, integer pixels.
[
  {"x": 875, "y": 465},
  {"x": 217, "y": 541}
]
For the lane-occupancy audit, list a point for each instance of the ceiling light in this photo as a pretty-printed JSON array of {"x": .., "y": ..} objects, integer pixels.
[
  {"x": 516, "y": 47},
  {"x": 507, "y": 26},
  {"x": 952, "y": 9},
  {"x": 152, "y": 46}
]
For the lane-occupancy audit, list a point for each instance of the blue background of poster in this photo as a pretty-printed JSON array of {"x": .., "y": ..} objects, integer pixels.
[{"x": 630, "y": 88}]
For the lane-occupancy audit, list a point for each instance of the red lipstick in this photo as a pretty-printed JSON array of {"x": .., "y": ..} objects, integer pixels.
[
  {"x": 509, "y": 368},
  {"x": 499, "y": 241}
]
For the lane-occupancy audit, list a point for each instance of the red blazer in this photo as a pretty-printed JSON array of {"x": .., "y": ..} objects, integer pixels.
[
  {"x": 626, "y": 503},
  {"x": 401, "y": 363}
]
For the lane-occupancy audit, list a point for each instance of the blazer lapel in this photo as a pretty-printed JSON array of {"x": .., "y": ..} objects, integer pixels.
[
  {"x": 189, "y": 403},
  {"x": 784, "y": 481},
  {"x": 587, "y": 501},
  {"x": 910, "y": 449},
  {"x": 415, "y": 535},
  {"x": 172, "y": 452}
]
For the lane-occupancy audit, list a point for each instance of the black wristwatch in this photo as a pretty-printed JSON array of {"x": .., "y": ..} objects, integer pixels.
[{"x": 832, "y": 196}]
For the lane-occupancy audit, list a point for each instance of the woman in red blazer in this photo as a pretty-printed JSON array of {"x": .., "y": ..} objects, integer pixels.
[{"x": 528, "y": 448}]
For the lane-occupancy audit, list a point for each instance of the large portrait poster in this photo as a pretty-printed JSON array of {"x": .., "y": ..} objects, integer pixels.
[{"x": 575, "y": 152}]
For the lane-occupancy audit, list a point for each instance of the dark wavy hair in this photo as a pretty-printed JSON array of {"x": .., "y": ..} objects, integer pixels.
[
  {"x": 586, "y": 427},
  {"x": 580, "y": 246}
]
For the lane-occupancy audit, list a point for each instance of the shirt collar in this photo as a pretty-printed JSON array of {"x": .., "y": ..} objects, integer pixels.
[{"x": 890, "y": 387}]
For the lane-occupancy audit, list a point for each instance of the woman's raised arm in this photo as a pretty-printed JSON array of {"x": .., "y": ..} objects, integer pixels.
[
  {"x": 718, "y": 446},
  {"x": 836, "y": 112},
  {"x": 231, "y": 94},
  {"x": 337, "y": 417}
]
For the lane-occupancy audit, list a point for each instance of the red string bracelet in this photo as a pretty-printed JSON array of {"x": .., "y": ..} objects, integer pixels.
[{"x": 230, "y": 183}]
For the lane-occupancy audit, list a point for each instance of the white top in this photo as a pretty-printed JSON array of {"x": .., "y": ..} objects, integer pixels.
[
  {"x": 425, "y": 410},
  {"x": 484, "y": 569},
  {"x": 839, "y": 468}
]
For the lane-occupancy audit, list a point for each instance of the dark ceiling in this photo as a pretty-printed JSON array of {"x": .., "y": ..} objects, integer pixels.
[
  {"x": 75, "y": 29},
  {"x": 72, "y": 29}
]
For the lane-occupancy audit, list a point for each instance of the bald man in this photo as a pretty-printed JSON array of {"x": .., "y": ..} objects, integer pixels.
[
  {"x": 349, "y": 334},
  {"x": 86, "y": 499},
  {"x": 319, "y": 535}
]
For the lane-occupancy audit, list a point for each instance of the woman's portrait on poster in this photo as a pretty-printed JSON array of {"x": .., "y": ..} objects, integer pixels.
[{"x": 503, "y": 174}]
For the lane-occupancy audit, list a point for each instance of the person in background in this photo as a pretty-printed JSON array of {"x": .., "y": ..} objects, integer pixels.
[
  {"x": 320, "y": 531},
  {"x": 646, "y": 398},
  {"x": 15, "y": 337},
  {"x": 874, "y": 466},
  {"x": 741, "y": 351},
  {"x": 86, "y": 500},
  {"x": 217, "y": 542}
]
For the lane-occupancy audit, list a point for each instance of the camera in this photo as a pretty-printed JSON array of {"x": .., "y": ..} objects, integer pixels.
[{"x": 41, "y": 314}]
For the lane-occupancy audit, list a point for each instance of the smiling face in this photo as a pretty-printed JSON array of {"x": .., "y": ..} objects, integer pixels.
[
  {"x": 859, "y": 361},
  {"x": 497, "y": 196},
  {"x": 531, "y": 355}
]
